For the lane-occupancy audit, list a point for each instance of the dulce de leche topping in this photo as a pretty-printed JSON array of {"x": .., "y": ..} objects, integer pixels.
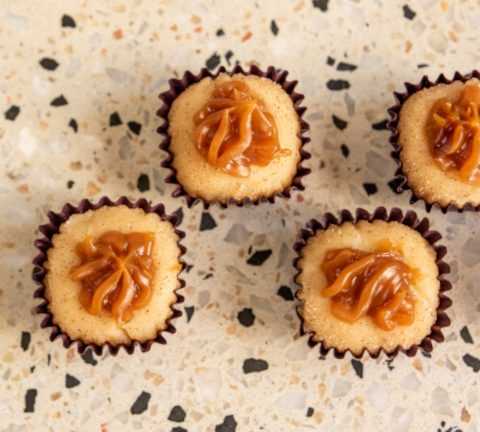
[
  {"x": 374, "y": 284},
  {"x": 116, "y": 272},
  {"x": 455, "y": 133},
  {"x": 234, "y": 130}
]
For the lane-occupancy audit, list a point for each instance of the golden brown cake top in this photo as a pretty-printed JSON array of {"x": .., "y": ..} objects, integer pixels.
[
  {"x": 116, "y": 271},
  {"x": 454, "y": 133},
  {"x": 369, "y": 284},
  {"x": 234, "y": 130}
]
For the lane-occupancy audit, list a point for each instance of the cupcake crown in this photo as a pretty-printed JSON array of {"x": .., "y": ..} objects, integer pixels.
[
  {"x": 399, "y": 183},
  {"x": 178, "y": 86},
  {"x": 44, "y": 243},
  {"x": 410, "y": 219}
]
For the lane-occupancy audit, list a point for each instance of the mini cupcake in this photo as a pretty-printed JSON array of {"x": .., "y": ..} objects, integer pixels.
[
  {"x": 436, "y": 136},
  {"x": 371, "y": 283},
  {"x": 109, "y": 273},
  {"x": 234, "y": 137}
]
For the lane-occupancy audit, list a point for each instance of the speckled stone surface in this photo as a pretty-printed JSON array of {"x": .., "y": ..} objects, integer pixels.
[{"x": 79, "y": 85}]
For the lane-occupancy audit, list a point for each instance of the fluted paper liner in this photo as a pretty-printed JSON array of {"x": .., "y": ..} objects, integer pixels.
[
  {"x": 400, "y": 182},
  {"x": 178, "y": 86},
  {"x": 44, "y": 243},
  {"x": 409, "y": 219}
]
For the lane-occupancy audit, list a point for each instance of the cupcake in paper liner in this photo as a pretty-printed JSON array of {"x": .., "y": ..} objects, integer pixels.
[
  {"x": 234, "y": 137},
  {"x": 108, "y": 274},
  {"x": 436, "y": 139},
  {"x": 371, "y": 282}
]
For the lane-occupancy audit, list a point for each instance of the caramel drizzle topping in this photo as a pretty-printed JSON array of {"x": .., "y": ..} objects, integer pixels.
[
  {"x": 456, "y": 137},
  {"x": 116, "y": 273},
  {"x": 234, "y": 130},
  {"x": 369, "y": 284}
]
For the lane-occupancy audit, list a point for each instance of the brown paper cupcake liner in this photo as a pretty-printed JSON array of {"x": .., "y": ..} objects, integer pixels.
[
  {"x": 400, "y": 182},
  {"x": 44, "y": 243},
  {"x": 177, "y": 86},
  {"x": 409, "y": 219}
]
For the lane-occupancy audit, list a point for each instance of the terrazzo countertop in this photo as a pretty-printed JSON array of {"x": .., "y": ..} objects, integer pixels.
[{"x": 79, "y": 90}]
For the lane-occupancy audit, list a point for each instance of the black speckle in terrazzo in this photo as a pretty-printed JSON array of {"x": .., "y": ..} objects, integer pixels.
[
  {"x": 135, "y": 127},
  {"x": 393, "y": 184},
  {"x": 408, "y": 13},
  {"x": 422, "y": 65},
  {"x": 466, "y": 336},
  {"x": 25, "y": 340},
  {"x": 252, "y": 365},
  {"x": 188, "y": 268},
  {"x": 143, "y": 183},
  {"x": 310, "y": 412},
  {"x": 426, "y": 354},
  {"x": 177, "y": 414},
  {"x": 70, "y": 184},
  {"x": 115, "y": 119},
  {"x": 259, "y": 257},
  {"x": 49, "y": 359},
  {"x": 30, "y": 398},
  {"x": 370, "y": 188},
  {"x": 141, "y": 403},
  {"x": 88, "y": 357},
  {"x": 338, "y": 84},
  {"x": 339, "y": 123},
  {"x": 207, "y": 222},
  {"x": 381, "y": 125},
  {"x": 389, "y": 363},
  {"x": 228, "y": 425},
  {"x": 274, "y": 27},
  {"x": 178, "y": 215},
  {"x": 472, "y": 362},
  {"x": 32, "y": 369},
  {"x": 220, "y": 32},
  {"x": 59, "y": 101},
  {"x": 444, "y": 428},
  {"x": 358, "y": 367},
  {"x": 246, "y": 317},
  {"x": 49, "y": 63},
  {"x": 207, "y": 276},
  {"x": 321, "y": 4},
  {"x": 73, "y": 124},
  {"x": 178, "y": 429},
  {"x": 68, "y": 21},
  {"x": 345, "y": 150},
  {"x": 228, "y": 56},
  {"x": 12, "y": 112},
  {"x": 189, "y": 311},
  {"x": 71, "y": 381},
  {"x": 213, "y": 61},
  {"x": 285, "y": 292},
  {"x": 330, "y": 61},
  {"x": 346, "y": 67}
]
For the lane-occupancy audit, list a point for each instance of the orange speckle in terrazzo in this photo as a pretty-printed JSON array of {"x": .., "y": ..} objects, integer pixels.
[
  {"x": 76, "y": 165},
  {"x": 92, "y": 189},
  {"x": 118, "y": 34},
  {"x": 247, "y": 36},
  {"x": 55, "y": 396},
  {"x": 23, "y": 188},
  {"x": 465, "y": 415},
  {"x": 195, "y": 19}
]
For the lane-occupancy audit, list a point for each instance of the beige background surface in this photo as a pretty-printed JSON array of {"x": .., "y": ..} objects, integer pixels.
[{"x": 117, "y": 59}]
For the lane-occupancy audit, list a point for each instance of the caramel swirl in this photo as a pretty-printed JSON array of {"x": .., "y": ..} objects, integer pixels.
[
  {"x": 234, "y": 130},
  {"x": 374, "y": 284},
  {"x": 455, "y": 133},
  {"x": 116, "y": 272}
]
